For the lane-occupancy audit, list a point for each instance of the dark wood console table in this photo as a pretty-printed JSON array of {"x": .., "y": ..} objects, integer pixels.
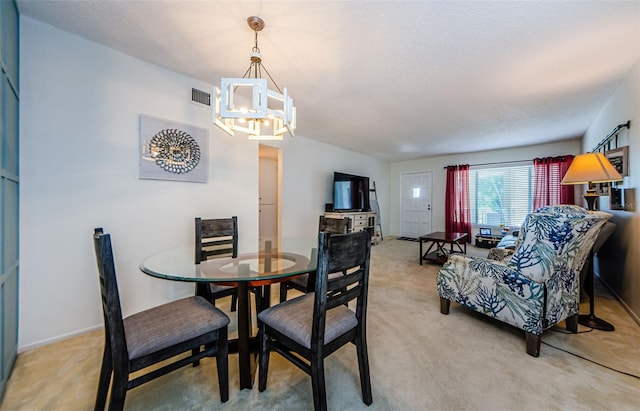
[{"x": 438, "y": 241}]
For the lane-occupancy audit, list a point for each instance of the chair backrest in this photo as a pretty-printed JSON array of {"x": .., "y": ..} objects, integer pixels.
[
  {"x": 348, "y": 254},
  {"x": 216, "y": 238},
  {"x": 556, "y": 238},
  {"x": 333, "y": 225},
  {"x": 112, "y": 312}
]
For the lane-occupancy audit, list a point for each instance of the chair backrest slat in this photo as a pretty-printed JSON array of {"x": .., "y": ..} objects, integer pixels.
[
  {"x": 344, "y": 281},
  {"x": 215, "y": 238},
  {"x": 333, "y": 225},
  {"x": 343, "y": 297},
  {"x": 348, "y": 254}
]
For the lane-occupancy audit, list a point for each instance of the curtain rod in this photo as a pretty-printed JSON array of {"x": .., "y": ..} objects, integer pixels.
[
  {"x": 613, "y": 133},
  {"x": 494, "y": 163}
]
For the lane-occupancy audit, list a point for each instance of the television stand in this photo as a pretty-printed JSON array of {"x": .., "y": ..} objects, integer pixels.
[{"x": 358, "y": 220}]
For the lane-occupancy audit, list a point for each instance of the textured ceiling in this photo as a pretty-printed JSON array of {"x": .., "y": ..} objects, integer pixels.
[{"x": 393, "y": 79}]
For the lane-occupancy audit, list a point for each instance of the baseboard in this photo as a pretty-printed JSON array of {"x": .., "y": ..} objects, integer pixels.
[
  {"x": 628, "y": 309},
  {"x": 48, "y": 341}
]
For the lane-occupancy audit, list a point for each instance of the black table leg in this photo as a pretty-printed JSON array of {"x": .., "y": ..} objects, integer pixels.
[{"x": 246, "y": 358}]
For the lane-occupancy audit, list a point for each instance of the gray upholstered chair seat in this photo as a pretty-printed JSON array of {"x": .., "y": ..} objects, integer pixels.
[
  {"x": 170, "y": 324},
  {"x": 294, "y": 319}
]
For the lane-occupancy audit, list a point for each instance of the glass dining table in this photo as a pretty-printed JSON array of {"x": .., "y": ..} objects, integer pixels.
[{"x": 274, "y": 262}]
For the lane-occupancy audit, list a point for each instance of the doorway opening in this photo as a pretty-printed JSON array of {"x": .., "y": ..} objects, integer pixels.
[{"x": 270, "y": 193}]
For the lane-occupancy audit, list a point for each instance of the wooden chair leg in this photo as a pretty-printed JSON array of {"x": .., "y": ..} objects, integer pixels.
[
  {"x": 533, "y": 344},
  {"x": 195, "y": 352},
  {"x": 283, "y": 292},
  {"x": 572, "y": 323},
  {"x": 265, "y": 301},
  {"x": 234, "y": 301},
  {"x": 105, "y": 378},
  {"x": 363, "y": 364},
  {"x": 118, "y": 391},
  {"x": 222, "y": 364},
  {"x": 318, "y": 383},
  {"x": 444, "y": 305},
  {"x": 263, "y": 359}
]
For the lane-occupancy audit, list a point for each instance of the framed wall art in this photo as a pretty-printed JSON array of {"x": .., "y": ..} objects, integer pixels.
[
  {"x": 619, "y": 158},
  {"x": 173, "y": 151}
]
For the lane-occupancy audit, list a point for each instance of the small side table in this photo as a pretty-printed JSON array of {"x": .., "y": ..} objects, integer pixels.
[{"x": 438, "y": 240}]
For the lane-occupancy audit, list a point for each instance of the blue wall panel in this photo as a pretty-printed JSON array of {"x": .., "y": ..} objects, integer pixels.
[{"x": 9, "y": 189}]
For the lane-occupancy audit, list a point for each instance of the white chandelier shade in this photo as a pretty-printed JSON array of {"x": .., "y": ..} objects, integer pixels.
[
  {"x": 248, "y": 106},
  {"x": 268, "y": 111}
]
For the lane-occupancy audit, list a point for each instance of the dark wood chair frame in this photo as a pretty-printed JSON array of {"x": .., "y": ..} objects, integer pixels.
[
  {"x": 348, "y": 253},
  {"x": 115, "y": 360},
  {"x": 330, "y": 225},
  {"x": 216, "y": 238}
]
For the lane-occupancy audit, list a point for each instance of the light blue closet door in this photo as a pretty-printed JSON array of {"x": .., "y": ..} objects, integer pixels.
[{"x": 9, "y": 190}]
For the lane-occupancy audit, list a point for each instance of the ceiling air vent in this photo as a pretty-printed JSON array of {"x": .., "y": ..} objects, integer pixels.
[{"x": 202, "y": 97}]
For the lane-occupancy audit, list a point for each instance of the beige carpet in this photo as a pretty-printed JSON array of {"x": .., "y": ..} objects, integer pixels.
[{"x": 420, "y": 360}]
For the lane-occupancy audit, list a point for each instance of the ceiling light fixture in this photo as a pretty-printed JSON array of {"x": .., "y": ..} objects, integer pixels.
[{"x": 269, "y": 115}]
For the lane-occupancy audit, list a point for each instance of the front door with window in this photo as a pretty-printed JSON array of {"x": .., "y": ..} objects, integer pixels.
[{"x": 415, "y": 215}]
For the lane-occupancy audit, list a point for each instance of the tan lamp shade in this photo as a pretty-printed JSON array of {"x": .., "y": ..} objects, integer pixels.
[{"x": 591, "y": 168}]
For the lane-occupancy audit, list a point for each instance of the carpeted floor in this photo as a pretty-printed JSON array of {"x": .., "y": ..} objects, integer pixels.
[{"x": 420, "y": 360}]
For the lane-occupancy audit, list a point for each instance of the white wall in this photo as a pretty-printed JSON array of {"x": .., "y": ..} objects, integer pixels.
[
  {"x": 79, "y": 112},
  {"x": 436, "y": 166},
  {"x": 618, "y": 260},
  {"x": 312, "y": 161},
  {"x": 624, "y": 105}
]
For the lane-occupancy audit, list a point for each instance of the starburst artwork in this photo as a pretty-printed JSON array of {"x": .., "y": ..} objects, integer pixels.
[{"x": 172, "y": 151}]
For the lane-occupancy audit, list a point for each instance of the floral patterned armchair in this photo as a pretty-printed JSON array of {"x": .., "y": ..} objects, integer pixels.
[{"x": 538, "y": 285}]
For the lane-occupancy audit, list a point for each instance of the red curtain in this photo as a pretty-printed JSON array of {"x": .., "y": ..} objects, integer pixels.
[
  {"x": 457, "y": 204},
  {"x": 547, "y": 189}
]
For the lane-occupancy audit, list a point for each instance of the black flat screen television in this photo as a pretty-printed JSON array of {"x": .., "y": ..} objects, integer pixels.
[{"x": 350, "y": 192}]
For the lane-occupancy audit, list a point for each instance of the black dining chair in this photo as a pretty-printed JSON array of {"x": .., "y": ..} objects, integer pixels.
[
  {"x": 304, "y": 283},
  {"x": 216, "y": 238},
  {"x": 307, "y": 329},
  {"x": 153, "y": 336}
]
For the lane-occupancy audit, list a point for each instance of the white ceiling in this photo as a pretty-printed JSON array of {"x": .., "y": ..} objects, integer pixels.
[{"x": 393, "y": 79}]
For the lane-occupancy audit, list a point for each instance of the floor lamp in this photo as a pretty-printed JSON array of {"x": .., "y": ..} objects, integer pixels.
[{"x": 591, "y": 168}]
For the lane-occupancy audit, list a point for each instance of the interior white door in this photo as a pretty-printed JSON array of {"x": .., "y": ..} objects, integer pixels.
[
  {"x": 268, "y": 201},
  {"x": 415, "y": 215}
]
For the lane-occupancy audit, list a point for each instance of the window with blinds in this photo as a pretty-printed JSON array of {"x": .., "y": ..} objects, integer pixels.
[{"x": 501, "y": 195}]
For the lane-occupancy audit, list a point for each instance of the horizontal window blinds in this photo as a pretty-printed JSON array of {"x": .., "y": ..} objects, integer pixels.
[{"x": 501, "y": 195}]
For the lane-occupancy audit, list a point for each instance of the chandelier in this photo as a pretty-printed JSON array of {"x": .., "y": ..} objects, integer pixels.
[{"x": 248, "y": 106}]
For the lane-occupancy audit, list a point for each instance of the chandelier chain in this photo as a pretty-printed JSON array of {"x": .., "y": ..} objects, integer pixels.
[{"x": 257, "y": 66}]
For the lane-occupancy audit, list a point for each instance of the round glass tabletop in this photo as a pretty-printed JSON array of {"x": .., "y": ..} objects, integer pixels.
[{"x": 178, "y": 264}]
